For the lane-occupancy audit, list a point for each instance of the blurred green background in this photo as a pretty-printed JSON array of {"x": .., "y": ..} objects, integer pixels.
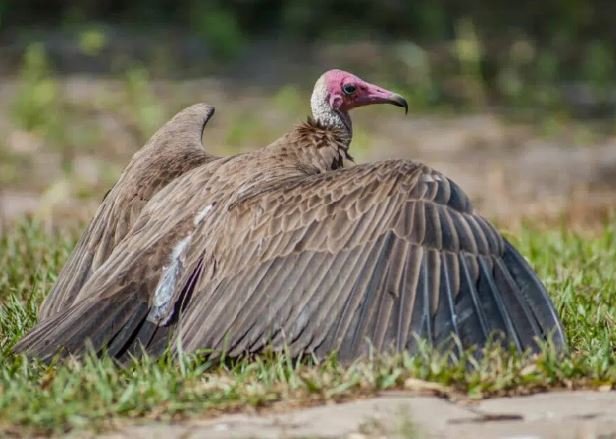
[
  {"x": 524, "y": 91},
  {"x": 499, "y": 52}
]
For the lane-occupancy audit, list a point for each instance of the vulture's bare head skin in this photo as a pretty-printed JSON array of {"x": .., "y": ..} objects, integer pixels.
[
  {"x": 347, "y": 91},
  {"x": 336, "y": 92}
]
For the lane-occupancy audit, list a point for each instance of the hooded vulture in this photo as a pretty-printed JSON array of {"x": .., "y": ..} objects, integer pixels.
[{"x": 285, "y": 248}]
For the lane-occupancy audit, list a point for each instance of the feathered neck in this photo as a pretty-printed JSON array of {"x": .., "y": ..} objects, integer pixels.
[{"x": 327, "y": 117}]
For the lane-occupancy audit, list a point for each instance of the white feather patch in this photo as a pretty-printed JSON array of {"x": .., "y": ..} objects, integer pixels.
[
  {"x": 200, "y": 216},
  {"x": 161, "y": 302}
]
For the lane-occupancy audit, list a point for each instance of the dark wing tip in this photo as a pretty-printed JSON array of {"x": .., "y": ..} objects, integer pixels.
[{"x": 536, "y": 295}]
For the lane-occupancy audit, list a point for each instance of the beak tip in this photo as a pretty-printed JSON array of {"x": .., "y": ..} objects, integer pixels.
[{"x": 399, "y": 101}]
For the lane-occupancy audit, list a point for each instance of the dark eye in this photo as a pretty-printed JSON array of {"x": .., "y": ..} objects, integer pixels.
[{"x": 348, "y": 89}]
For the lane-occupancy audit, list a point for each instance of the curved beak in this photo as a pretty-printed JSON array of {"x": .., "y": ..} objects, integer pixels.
[
  {"x": 399, "y": 101},
  {"x": 373, "y": 94}
]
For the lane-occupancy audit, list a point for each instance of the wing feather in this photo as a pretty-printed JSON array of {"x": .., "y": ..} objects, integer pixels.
[
  {"x": 445, "y": 319},
  {"x": 408, "y": 295},
  {"x": 418, "y": 324},
  {"x": 372, "y": 257},
  {"x": 521, "y": 316},
  {"x": 172, "y": 151},
  {"x": 345, "y": 301},
  {"x": 384, "y": 321},
  {"x": 370, "y": 293},
  {"x": 423, "y": 267},
  {"x": 500, "y": 315}
]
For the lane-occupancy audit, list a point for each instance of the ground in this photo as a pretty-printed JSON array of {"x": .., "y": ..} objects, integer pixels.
[{"x": 562, "y": 415}]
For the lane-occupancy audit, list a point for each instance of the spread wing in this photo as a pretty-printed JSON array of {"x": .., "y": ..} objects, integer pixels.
[
  {"x": 373, "y": 256},
  {"x": 172, "y": 151},
  {"x": 368, "y": 257}
]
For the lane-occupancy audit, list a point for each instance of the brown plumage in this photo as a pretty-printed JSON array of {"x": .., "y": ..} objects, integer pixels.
[
  {"x": 172, "y": 150},
  {"x": 286, "y": 247}
]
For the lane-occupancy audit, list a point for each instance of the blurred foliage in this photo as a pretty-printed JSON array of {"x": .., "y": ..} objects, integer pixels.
[
  {"x": 468, "y": 51},
  {"x": 92, "y": 41},
  {"x": 422, "y": 90},
  {"x": 599, "y": 64},
  {"x": 454, "y": 52},
  {"x": 290, "y": 100},
  {"x": 66, "y": 129},
  {"x": 218, "y": 24},
  {"x": 36, "y": 104},
  {"x": 558, "y": 21},
  {"x": 142, "y": 105},
  {"x": 544, "y": 62}
]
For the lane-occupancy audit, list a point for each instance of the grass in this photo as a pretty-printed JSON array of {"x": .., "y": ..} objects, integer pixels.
[{"x": 578, "y": 268}]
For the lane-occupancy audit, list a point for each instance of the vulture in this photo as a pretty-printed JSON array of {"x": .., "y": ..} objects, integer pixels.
[
  {"x": 289, "y": 248},
  {"x": 172, "y": 151}
]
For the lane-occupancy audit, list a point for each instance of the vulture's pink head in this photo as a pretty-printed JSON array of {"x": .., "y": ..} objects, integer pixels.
[{"x": 342, "y": 91}]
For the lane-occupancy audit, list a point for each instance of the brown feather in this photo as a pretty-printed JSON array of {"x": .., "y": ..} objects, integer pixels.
[
  {"x": 171, "y": 152},
  {"x": 281, "y": 247}
]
